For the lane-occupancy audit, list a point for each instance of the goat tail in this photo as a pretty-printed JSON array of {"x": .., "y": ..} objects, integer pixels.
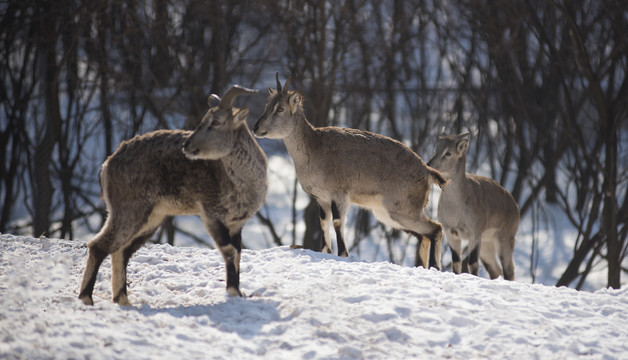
[
  {"x": 102, "y": 180},
  {"x": 100, "y": 183},
  {"x": 437, "y": 178}
]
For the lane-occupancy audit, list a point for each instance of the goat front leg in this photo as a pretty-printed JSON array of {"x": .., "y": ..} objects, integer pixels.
[
  {"x": 229, "y": 245},
  {"x": 474, "y": 254},
  {"x": 455, "y": 245}
]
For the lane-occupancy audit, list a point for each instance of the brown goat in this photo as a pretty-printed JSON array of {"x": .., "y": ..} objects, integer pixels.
[
  {"x": 340, "y": 166},
  {"x": 217, "y": 172}
]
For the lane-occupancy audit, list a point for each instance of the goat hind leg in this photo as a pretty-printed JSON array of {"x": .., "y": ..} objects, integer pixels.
[
  {"x": 94, "y": 260},
  {"x": 506, "y": 258},
  {"x": 119, "y": 263},
  {"x": 429, "y": 235},
  {"x": 422, "y": 251},
  {"x": 101, "y": 246},
  {"x": 339, "y": 214},
  {"x": 105, "y": 243},
  {"x": 436, "y": 240},
  {"x": 325, "y": 218},
  {"x": 488, "y": 256},
  {"x": 430, "y": 251}
]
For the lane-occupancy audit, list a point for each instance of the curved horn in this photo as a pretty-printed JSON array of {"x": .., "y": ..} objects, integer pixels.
[
  {"x": 230, "y": 95},
  {"x": 285, "y": 86},
  {"x": 213, "y": 100},
  {"x": 278, "y": 83}
]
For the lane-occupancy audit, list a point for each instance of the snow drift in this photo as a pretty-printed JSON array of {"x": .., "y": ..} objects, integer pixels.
[{"x": 300, "y": 305}]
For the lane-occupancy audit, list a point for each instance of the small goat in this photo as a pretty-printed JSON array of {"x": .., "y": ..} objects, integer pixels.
[
  {"x": 476, "y": 208},
  {"x": 218, "y": 172},
  {"x": 339, "y": 166}
]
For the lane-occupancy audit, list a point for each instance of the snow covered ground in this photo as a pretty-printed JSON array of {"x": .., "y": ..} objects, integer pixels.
[{"x": 300, "y": 305}]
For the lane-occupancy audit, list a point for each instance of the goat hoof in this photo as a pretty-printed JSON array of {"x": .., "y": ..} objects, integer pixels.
[
  {"x": 233, "y": 292},
  {"x": 122, "y": 300},
  {"x": 87, "y": 300}
]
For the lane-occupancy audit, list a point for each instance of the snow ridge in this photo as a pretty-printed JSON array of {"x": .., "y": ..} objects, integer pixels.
[{"x": 300, "y": 305}]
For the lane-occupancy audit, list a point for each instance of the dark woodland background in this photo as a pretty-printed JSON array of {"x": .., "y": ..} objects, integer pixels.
[{"x": 541, "y": 85}]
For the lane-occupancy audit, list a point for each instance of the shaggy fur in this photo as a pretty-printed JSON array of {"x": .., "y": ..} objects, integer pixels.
[{"x": 217, "y": 172}]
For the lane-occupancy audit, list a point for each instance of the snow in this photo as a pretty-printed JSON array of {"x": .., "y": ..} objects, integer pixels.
[{"x": 299, "y": 305}]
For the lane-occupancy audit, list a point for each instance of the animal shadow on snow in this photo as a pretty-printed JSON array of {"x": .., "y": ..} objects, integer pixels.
[
  {"x": 244, "y": 316},
  {"x": 316, "y": 256}
]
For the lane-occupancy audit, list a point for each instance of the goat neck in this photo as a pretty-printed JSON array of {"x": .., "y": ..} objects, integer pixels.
[
  {"x": 300, "y": 136},
  {"x": 461, "y": 170},
  {"x": 246, "y": 163}
]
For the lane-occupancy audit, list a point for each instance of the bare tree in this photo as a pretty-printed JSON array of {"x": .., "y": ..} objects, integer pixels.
[
  {"x": 542, "y": 85},
  {"x": 18, "y": 86},
  {"x": 596, "y": 36}
]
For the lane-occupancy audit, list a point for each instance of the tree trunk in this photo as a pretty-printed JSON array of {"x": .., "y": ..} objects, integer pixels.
[
  {"x": 312, "y": 239},
  {"x": 10, "y": 157},
  {"x": 609, "y": 220},
  {"x": 103, "y": 68},
  {"x": 42, "y": 184},
  {"x": 573, "y": 269}
]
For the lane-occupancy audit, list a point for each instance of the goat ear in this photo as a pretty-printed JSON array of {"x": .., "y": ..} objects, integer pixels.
[
  {"x": 272, "y": 91},
  {"x": 240, "y": 116},
  {"x": 295, "y": 101},
  {"x": 462, "y": 145}
]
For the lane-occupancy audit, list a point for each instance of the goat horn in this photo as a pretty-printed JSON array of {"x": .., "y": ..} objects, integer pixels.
[
  {"x": 230, "y": 95},
  {"x": 278, "y": 83},
  {"x": 467, "y": 134},
  {"x": 285, "y": 86}
]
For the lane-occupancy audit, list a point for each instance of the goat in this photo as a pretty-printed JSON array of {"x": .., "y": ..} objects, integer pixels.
[
  {"x": 340, "y": 166},
  {"x": 218, "y": 172},
  {"x": 476, "y": 208}
]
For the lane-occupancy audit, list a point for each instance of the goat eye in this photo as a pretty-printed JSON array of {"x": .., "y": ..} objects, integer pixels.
[
  {"x": 279, "y": 109},
  {"x": 447, "y": 154}
]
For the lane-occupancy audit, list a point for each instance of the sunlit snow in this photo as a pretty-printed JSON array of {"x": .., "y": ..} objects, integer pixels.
[{"x": 299, "y": 305}]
